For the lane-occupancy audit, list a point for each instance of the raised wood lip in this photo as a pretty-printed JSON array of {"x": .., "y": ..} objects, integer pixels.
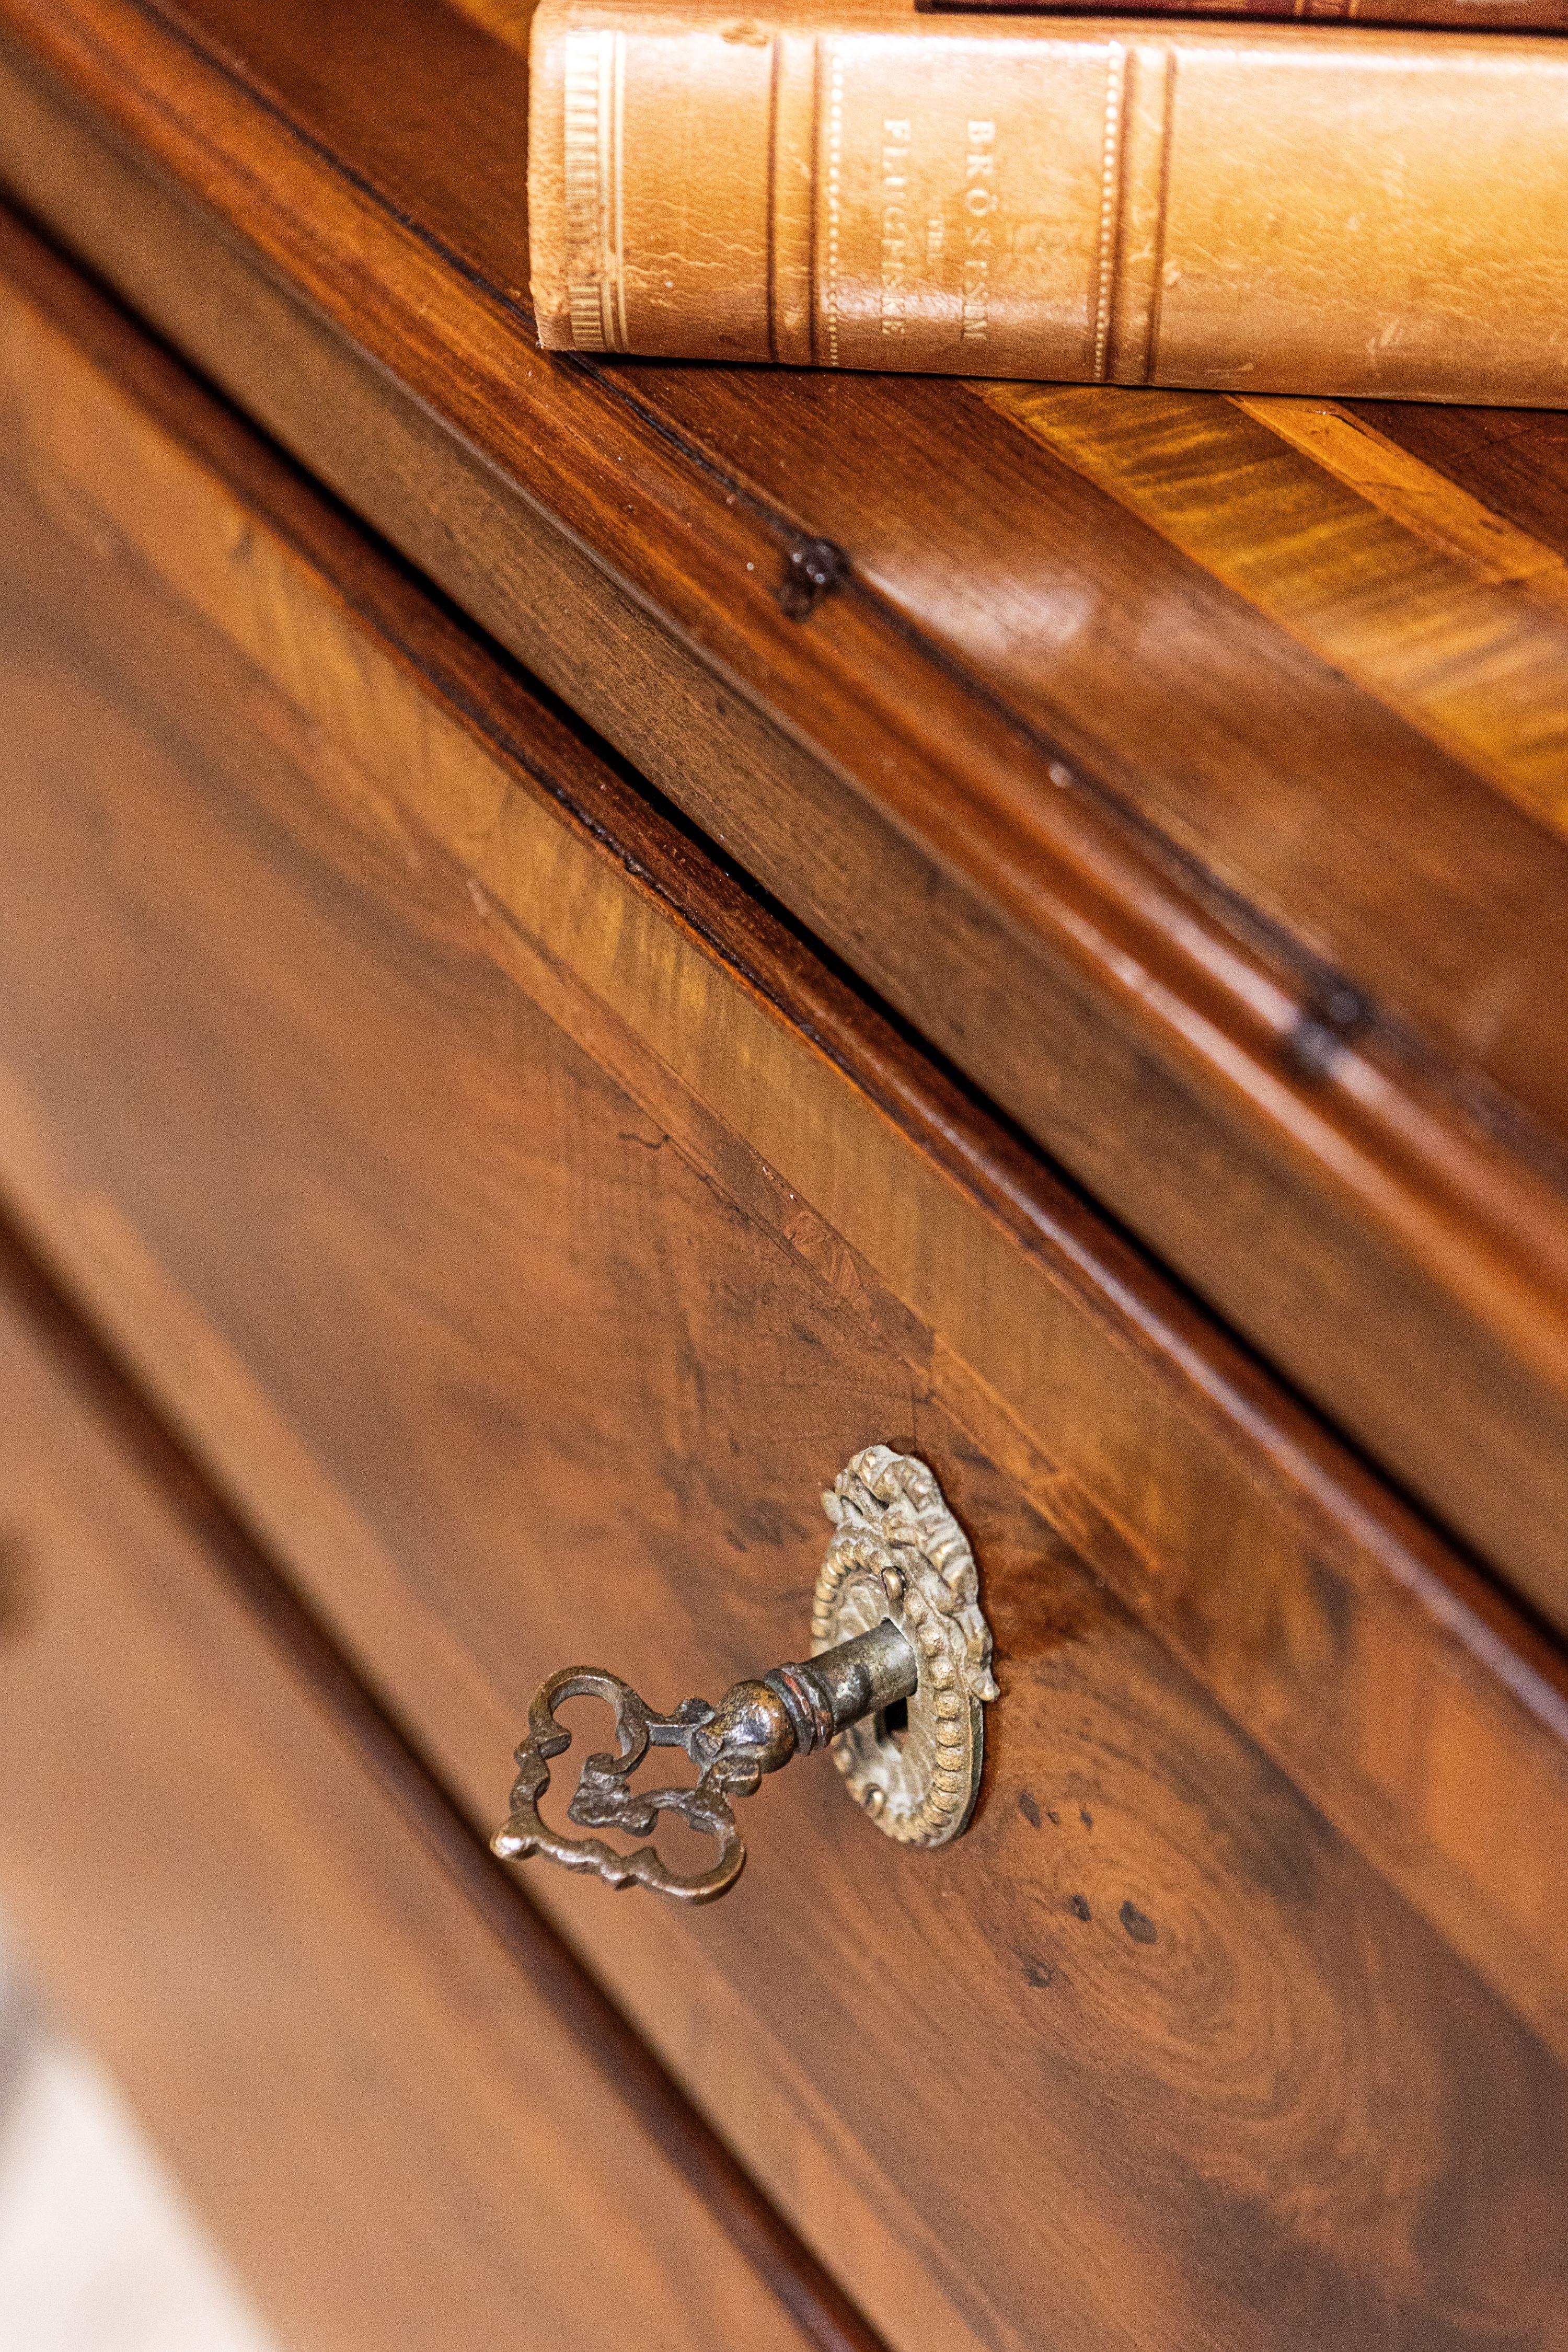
[{"x": 1461, "y": 1182}]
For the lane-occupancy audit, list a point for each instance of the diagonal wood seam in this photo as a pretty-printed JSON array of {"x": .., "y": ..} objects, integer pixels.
[
  {"x": 1413, "y": 492},
  {"x": 1480, "y": 604}
]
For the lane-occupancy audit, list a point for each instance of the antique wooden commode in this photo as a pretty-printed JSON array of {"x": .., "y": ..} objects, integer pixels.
[{"x": 592, "y": 952}]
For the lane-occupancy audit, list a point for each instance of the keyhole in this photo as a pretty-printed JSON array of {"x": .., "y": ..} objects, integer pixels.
[{"x": 894, "y": 1722}]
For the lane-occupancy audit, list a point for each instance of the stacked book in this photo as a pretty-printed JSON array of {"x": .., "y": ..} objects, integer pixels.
[{"x": 1371, "y": 198}]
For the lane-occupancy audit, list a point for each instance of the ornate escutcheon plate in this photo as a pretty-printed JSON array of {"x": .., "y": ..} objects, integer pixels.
[{"x": 898, "y": 1551}]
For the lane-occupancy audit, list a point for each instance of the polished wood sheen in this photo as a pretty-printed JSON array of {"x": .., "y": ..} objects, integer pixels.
[
  {"x": 382, "y": 2083},
  {"x": 1183, "y": 768},
  {"x": 524, "y": 1225}
]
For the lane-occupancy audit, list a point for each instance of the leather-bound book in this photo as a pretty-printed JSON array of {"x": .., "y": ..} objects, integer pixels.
[
  {"x": 1267, "y": 208},
  {"x": 1466, "y": 15}
]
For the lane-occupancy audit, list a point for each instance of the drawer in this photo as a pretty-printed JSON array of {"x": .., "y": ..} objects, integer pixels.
[
  {"x": 385, "y": 2088},
  {"x": 524, "y": 1227}
]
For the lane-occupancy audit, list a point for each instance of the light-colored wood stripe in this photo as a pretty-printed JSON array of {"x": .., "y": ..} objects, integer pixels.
[
  {"x": 1448, "y": 613},
  {"x": 1413, "y": 493}
]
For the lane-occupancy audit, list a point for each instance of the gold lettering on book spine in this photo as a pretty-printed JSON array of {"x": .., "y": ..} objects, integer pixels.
[
  {"x": 980, "y": 203},
  {"x": 595, "y": 81}
]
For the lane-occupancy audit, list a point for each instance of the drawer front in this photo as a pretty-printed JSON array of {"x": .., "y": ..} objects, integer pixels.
[
  {"x": 400, "y": 2138},
  {"x": 527, "y": 1230}
]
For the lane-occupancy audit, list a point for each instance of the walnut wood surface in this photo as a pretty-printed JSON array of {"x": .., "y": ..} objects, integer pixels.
[
  {"x": 1187, "y": 774},
  {"x": 385, "y": 2085},
  {"x": 524, "y": 1227}
]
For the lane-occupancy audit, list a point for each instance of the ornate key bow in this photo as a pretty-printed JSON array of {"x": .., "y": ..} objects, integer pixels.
[
  {"x": 896, "y": 1619},
  {"x": 756, "y": 1728}
]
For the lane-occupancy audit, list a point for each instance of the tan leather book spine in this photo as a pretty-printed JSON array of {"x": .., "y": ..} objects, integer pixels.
[
  {"x": 1467, "y": 15},
  {"x": 1253, "y": 207}
]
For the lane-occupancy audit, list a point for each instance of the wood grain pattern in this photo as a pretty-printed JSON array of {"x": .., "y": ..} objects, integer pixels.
[
  {"x": 271, "y": 1931},
  {"x": 1452, "y": 615},
  {"x": 1300, "y": 965},
  {"x": 524, "y": 1225}
]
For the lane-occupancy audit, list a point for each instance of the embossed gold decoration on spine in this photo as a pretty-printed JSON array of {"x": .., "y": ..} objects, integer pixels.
[{"x": 595, "y": 80}]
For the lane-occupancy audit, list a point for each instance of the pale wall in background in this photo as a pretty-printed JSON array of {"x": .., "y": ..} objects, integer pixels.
[{"x": 98, "y": 2253}]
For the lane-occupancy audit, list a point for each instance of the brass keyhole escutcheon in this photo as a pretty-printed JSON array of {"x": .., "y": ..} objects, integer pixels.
[
  {"x": 896, "y": 1623},
  {"x": 899, "y": 1553}
]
